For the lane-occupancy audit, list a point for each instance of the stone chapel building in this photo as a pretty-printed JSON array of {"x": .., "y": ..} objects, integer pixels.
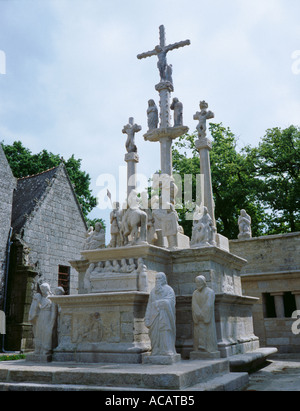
[{"x": 42, "y": 228}]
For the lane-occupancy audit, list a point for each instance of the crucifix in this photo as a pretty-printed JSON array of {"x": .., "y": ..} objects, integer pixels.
[
  {"x": 165, "y": 133},
  {"x": 161, "y": 51}
]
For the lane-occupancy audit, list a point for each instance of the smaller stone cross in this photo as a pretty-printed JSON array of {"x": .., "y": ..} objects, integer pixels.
[
  {"x": 203, "y": 116},
  {"x": 130, "y": 129}
]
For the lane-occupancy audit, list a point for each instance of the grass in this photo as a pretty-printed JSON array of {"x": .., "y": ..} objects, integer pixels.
[{"x": 12, "y": 357}]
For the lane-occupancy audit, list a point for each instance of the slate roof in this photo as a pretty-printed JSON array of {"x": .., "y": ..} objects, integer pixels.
[{"x": 28, "y": 192}]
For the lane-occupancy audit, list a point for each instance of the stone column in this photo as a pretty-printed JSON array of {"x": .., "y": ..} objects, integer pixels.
[
  {"x": 131, "y": 159},
  {"x": 297, "y": 298},
  {"x": 204, "y": 145},
  {"x": 165, "y": 89},
  {"x": 279, "y": 304}
]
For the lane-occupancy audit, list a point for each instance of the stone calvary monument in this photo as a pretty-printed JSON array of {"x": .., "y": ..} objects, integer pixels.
[{"x": 136, "y": 295}]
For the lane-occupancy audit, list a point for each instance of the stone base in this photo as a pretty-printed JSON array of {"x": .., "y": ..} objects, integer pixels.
[
  {"x": 147, "y": 358},
  {"x": 201, "y": 355},
  {"x": 39, "y": 358},
  {"x": 106, "y": 327},
  {"x": 183, "y": 376}
]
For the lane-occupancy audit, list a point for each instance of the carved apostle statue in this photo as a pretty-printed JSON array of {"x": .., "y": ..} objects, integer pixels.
[
  {"x": 160, "y": 318},
  {"x": 95, "y": 238},
  {"x": 244, "y": 226},
  {"x": 203, "y": 310},
  {"x": 43, "y": 316}
]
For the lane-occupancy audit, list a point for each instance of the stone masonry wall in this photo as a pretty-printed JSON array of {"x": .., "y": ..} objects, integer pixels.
[
  {"x": 56, "y": 231},
  {"x": 7, "y": 185},
  {"x": 273, "y": 269}
]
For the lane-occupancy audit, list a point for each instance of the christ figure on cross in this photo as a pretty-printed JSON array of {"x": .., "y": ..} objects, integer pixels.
[{"x": 161, "y": 52}]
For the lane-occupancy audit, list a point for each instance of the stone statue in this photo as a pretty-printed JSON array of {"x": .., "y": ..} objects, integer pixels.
[
  {"x": 203, "y": 116},
  {"x": 203, "y": 233},
  {"x": 142, "y": 273},
  {"x": 2, "y": 323},
  {"x": 115, "y": 226},
  {"x": 87, "y": 278},
  {"x": 169, "y": 73},
  {"x": 161, "y": 51},
  {"x": 178, "y": 112},
  {"x": 95, "y": 238},
  {"x": 160, "y": 318},
  {"x": 130, "y": 129},
  {"x": 107, "y": 267},
  {"x": 131, "y": 265},
  {"x": 152, "y": 114},
  {"x": 203, "y": 311},
  {"x": 115, "y": 266},
  {"x": 124, "y": 267},
  {"x": 134, "y": 222},
  {"x": 43, "y": 316},
  {"x": 244, "y": 226}
]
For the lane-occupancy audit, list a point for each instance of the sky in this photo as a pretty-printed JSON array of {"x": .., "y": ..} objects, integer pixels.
[{"x": 70, "y": 78}]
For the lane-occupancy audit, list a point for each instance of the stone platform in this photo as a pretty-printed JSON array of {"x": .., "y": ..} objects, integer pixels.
[{"x": 203, "y": 375}]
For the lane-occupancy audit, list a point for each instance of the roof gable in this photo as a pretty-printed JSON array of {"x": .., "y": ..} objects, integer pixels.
[{"x": 27, "y": 194}]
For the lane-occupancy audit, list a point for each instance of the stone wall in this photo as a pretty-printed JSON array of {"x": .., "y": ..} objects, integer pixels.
[
  {"x": 7, "y": 185},
  {"x": 55, "y": 232},
  {"x": 272, "y": 274}
]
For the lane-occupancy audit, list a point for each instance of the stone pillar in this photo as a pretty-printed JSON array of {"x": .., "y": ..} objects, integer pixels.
[
  {"x": 203, "y": 145},
  {"x": 131, "y": 159},
  {"x": 165, "y": 89},
  {"x": 279, "y": 304},
  {"x": 297, "y": 298}
]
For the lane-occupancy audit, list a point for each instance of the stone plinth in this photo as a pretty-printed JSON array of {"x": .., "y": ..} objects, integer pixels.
[
  {"x": 106, "y": 327},
  {"x": 233, "y": 311},
  {"x": 171, "y": 132},
  {"x": 160, "y": 359},
  {"x": 199, "y": 355}
]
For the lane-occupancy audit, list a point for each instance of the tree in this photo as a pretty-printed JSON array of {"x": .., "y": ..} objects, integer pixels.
[
  {"x": 233, "y": 181},
  {"x": 23, "y": 163},
  {"x": 277, "y": 166}
]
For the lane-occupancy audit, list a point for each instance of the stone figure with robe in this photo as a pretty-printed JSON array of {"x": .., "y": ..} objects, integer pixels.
[
  {"x": 95, "y": 238},
  {"x": 203, "y": 311},
  {"x": 160, "y": 318},
  {"x": 43, "y": 316},
  {"x": 244, "y": 223},
  {"x": 152, "y": 114}
]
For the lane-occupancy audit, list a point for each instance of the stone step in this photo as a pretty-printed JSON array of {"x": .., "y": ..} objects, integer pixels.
[
  {"x": 226, "y": 382},
  {"x": 251, "y": 360},
  {"x": 179, "y": 376}
]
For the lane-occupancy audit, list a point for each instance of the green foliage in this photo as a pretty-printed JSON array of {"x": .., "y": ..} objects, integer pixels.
[
  {"x": 277, "y": 165},
  {"x": 233, "y": 180},
  {"x": 23, "y": 163}
]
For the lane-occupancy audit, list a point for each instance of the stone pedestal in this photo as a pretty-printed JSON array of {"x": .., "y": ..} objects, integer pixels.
[
  {"x": 161, "y": 359},
  {"x": 199, "y": 355},
  {"x": 106, "y": 327},
  {"x": 121, "y": 312}
]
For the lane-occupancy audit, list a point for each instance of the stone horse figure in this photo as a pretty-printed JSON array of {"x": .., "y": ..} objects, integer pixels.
[{"x": 134, "y": 222}]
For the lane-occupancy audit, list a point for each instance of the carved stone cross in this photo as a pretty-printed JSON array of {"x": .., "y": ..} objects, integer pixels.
[
  {"x": 161, "y": 51},
  {"x": 130, "y": 129}
]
